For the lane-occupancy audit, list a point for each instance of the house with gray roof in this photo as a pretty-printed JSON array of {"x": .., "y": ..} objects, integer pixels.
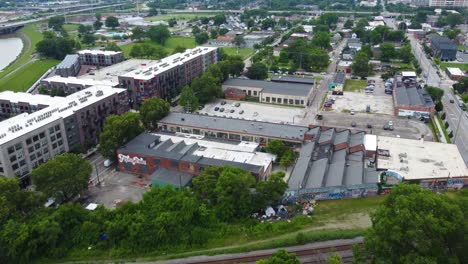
[
  {"x": 410, "y": 99},
  {"x": 285, "y": 90}
]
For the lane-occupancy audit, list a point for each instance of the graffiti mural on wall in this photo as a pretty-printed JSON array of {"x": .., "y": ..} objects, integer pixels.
[{"x": 292, "y": 197}]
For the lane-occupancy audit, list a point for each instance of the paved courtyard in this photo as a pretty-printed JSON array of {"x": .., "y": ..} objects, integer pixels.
[
  {"x": 117, "y": 188},
  {"x": 256, "y": 111}
]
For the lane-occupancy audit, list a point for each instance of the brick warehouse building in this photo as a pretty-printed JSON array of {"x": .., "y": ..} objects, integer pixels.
[
  {"x": 173, "y": 159},
  {"x": 166, "y": 77},
  {"x": 410, "y": 99}
]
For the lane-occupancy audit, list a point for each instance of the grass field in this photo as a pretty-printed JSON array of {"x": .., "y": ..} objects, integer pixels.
[
  {"x": 35, "y": 37},
  {"x": 70, "y": 27},
  {"x": 354, "y": 85},
  {"x": 22, "y": 79},
  {"x": 243, "y": 52},
  {"x": 462, "y": 66},
  {"x": 182, "y": 16},
  {"x": 169, "y": 46}
]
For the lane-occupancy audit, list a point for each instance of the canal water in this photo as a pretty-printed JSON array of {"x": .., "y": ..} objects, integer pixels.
[{"x": 10, "y": 48}]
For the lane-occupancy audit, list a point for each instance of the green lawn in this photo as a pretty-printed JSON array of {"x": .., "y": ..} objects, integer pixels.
[
  {"x": 70, "y": 27},
  {"x": 22, "y": 79},
  {"x": 462, "y": 66},
  {"x": 461, "y": 47},
  {"x": 243, "y": 52},
  {"x": 170, "y": 45},
  {"x": 444, "y": 130},
  {"x": 35, "y": 37},
  {"x": 354, "y": 85},
  {"x": 182, "y": 16},
  {"x": 403, "y": 66}
]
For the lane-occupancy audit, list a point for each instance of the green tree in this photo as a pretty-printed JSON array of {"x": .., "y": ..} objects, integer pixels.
[
  {"x": 172, "y": 22},
  {"x": 284, "y": 57},
  {"x": 360, "y": 65},
  {"x": 138, "y": 33},
  {"x": 233, "y": 196},
  {"x": 271, "y": 191},
  {"x": 196, "y": 30},
  {"x": 97, "y": 25},
  {"x": 206, "y": 88},
  {"x": 56, "y": 22},
  {"x": 82, "y": 29},
  {"x": 405, "y": 53},
  {"x": 239, "y": 41},
  {"x": 462, "y": 86},
  {"x": 348, "y": 24},
  {"x": 368, "y": 50},
  {"x": 268, "y": 23},
  {"x": 223, "y": 31},
  {"x": 214, "y": 33},
  {"x": 287, "y": 159},
  {"x": 258, "y": 71},
  {"x": 416, "y": 226},
  {"x": 452, "y": 33},
  {"x": 205, "y": 183},
  {"x": 113, "y": 47},
  {"x": 280, "y": 257},
  {"x": 188, "y": 99},
  {"x": 276, "y": 147},
  {"x": 322, "y": 40},
  {"x": 454, "y": 19},
  {"x": 152, "y": 110},
  {"x": 112, "y": 22},
  {"x": 219, "y": 19},
  {"x": 201, "y": 38},
  {"x": 387, "y": 52},
  {"x": 179, "y": 49},
  {"x": 215, "y": 71},
  {"x": 117, "y": 131},
  {"x": 89, "y": 39},
  {"x": 63, "y": 177},
  {"x": 435, "y": 93},
  {"x": 159, "y": 34}
]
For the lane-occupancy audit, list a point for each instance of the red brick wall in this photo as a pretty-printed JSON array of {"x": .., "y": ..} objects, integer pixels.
[
  {"x": 340, "y": 146},
  {"x": 356, "y": 148}
]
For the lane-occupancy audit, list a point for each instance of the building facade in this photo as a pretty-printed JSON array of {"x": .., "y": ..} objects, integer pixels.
[
  {"x": 100, "y": 57},
  {"x": 166, "y": 78},
  {"x": 12, "y": 104},
  {"x": 71, "y": 85},
  {"x": 443, "y": 48},
  {"x": 28, "y": 140},
  {"x": 449, "y": 3}
]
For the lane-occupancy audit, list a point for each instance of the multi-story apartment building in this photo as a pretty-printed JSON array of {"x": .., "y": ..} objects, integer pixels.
[
  {"x": 28, "y": 140},
  {"x": 165, "y": 78},
  {"x": 12, "y": 104},
  {"x": 100, "y": 57},
  {"x": 71, "y": 85},
  {"x": 70, "y": 66},
  {"x": 449, "y": 3}
]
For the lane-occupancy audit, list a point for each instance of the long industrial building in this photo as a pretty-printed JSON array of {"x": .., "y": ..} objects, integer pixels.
[
  {"x": 30, "y": 139},
  {"x": 166, "y": 77}
]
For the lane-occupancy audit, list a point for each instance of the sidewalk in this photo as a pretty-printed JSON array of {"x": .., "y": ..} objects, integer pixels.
[{"x": 440, "y": 131}]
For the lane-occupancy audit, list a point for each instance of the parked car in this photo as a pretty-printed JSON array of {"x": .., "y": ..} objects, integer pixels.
[
  {"x": 452, "y": 101},
  {"x": 352, "y": 112},
  {"x": 363, "y": 78},
  {"x": 385, "y": 127},
  {"x": 353, "y": 124},
  {"x": 216, "y": 108},
  {"x": 390, "y": 123},
  {"x": 241, "y": 112},
  {"x": 221, "y": 109},
  {"x": 237, "y": 105},
  {"x": 327, "y": 104},
  {"x": 369, "y": 125},
  {"x": 232, "y": 111},
  {"x": 223, "y": 102},
  {"x": 354, "y": 77}
]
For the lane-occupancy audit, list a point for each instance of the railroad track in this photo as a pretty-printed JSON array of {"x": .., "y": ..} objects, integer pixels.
[{"x": 310, "y": 254}]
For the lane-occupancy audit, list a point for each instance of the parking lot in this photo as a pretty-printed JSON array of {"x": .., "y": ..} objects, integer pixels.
[
  {"x": 117, "y": 188},
  {"x": 379, "y": 102},
  {"x": 256, "y": 111}
]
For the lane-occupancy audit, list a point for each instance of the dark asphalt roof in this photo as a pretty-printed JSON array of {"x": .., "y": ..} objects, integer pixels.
[
  {"x": 302, "y": 165},
  {"x": 339, "y": 77},
  {"x": 335, "y": 174},
  {"x": 175, "y": 178},
  {"x": 241, "y": 126},
  {"x": 341, "y": 137},
  {"x": 443, "y": 43},
  {"x": 288, "y": 88},
  {"x": 412, "y": 96},
  {"x": 292, "y": 79},
  {"x": 316, "y": 174},
  {"x": 326, "y": 135}
]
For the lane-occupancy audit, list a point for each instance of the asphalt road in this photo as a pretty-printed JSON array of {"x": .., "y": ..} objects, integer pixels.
[{"x": 458, "y": 122}]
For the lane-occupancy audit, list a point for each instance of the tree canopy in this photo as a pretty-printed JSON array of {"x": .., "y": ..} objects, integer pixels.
[
  {"x": 138, "y": 33},
  {"x": 56, "y": 22},
  {"x": 159, "y": 34},
  {"x": 461, "y": 86},
  {"x": 435, "y": 93},
  {"x": 112, "y": 22},
  {"x": 387, "y": 52},
  {"x": 258, "y": 71},
  {"x": 417, "y": 226},
  {"x": 63, "y": 177},
  {"x": 117, "y": 131},
  {"x": 188, "y": 99},
  {"x": 280, "y": 257},
  {"x": 152, "y": 110},
  {"x": 360, "y": 65}
]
